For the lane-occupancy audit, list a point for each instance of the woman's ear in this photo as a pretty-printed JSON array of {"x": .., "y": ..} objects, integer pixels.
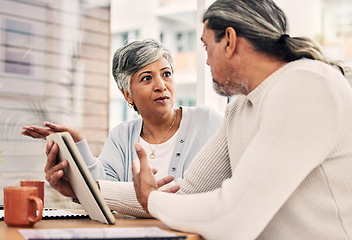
[
  {"x": 231, "y": 41},
  {"x": 127, "y": 96}
]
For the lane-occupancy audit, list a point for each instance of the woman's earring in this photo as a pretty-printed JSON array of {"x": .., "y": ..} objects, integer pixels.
[{"x": 130, "y": 105}]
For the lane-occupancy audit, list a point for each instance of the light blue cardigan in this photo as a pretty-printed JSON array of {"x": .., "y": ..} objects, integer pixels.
[{"x": 198, "y": 125}]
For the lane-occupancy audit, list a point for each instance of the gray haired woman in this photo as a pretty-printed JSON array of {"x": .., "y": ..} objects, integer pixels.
[{"x": 144, "y": 73}]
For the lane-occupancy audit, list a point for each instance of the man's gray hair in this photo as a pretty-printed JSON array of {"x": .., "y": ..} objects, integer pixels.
[
  {"x": 133, "y": 57},
  {"x": 265, "y": 26}
]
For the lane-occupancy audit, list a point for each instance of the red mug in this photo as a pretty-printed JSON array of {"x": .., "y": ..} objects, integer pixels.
[
  {"x": 21, "y": 205},
  {"x": 38, "y": 184}
]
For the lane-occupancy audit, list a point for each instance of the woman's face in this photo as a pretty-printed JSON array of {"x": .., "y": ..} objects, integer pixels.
[{"x": 153, "y": 88}]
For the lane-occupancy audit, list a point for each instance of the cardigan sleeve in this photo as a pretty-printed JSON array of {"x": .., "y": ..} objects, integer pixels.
[
  {"x": 114, "y": 161},
  {"x": 297, "y": 129},
  {"x": 94, "y": 165},
  {"x": 109, "y": 165}
]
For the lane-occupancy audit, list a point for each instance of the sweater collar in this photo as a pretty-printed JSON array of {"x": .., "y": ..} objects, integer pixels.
[{"x": 255, "y": 95}]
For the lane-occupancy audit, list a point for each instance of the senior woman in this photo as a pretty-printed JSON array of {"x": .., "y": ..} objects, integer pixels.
[{"x": 144, "y": 73}]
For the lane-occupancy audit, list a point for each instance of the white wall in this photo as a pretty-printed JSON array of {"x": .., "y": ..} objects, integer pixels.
[
  {"x": 205, "y": 93},
  {"x": 304, "y": 17},
  {"x": 134, "y": 15}
]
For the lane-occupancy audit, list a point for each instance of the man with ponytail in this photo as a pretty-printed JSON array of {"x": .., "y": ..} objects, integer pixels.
[{"x": 280, "y": 167}]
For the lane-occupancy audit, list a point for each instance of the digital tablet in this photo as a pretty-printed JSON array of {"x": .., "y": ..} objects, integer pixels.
[{"x": 81, "y": 180}]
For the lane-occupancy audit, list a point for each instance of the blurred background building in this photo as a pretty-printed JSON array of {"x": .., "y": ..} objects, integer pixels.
[{"x": 55, "y": 65}]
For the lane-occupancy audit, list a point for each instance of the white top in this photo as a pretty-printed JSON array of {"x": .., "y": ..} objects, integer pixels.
[{"x": 163, "y": 153}]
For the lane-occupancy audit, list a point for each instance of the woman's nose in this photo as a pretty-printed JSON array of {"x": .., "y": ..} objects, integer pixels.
[{"x": 159, "y": 84}]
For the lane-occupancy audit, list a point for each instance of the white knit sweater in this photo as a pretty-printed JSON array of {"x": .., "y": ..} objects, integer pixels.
[{"x": 280, "y": 167}]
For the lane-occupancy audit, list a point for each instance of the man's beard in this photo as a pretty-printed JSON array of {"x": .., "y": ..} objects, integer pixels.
[{"x": 230, "y": 88}]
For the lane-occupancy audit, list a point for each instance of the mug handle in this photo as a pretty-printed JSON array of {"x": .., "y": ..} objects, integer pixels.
[{"x": 40, "y": 206}]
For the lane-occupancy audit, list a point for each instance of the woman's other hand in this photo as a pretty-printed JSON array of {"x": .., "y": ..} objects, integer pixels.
[{"x": 42, "y": 133}]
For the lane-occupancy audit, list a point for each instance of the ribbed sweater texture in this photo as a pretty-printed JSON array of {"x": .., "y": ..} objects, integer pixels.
[{"x": 280, "y": 166}]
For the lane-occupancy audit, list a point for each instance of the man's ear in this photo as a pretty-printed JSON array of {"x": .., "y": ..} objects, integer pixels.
[{"x": 231, "y": 41}]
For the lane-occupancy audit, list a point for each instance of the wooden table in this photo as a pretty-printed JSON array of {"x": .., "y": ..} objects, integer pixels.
[{"x": 11, "y": 233}]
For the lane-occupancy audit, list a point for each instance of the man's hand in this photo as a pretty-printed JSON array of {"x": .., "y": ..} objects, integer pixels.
[
  {"x": 143, "y": 178},
  {"x": 144, "y": 181},
  {"x": 54, "y": 171},
  {"x": 163, "y": 181}
]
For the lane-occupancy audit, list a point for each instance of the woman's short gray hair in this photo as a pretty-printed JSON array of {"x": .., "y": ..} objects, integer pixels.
[{"x": 134, "y": 56}]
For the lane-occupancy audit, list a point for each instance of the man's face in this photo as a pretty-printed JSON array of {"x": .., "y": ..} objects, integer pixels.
[{"x": 227, "y": 82}]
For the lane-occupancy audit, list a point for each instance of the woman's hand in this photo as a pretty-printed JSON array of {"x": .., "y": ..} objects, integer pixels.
[
  {"x": 42, "y": 133},
  {"x": 54, "y": 173}
]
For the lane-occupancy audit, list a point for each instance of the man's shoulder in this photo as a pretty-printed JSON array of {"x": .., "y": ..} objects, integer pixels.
[{"x": 313, "y": 67}]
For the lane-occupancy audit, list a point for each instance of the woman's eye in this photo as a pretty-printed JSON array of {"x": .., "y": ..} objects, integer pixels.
[
  {"x": 167, "y": 74},
  {"x": 146, "y": 78}
]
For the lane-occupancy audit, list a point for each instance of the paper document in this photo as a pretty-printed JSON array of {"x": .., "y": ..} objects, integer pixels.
[
  {"x": 98, "y": 233},
  {"x": 61, "y": 213},
  {"x": 55, "y": 213}
]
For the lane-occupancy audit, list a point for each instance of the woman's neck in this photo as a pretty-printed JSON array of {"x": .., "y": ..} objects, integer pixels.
[{"x": 159, "y": 130}]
